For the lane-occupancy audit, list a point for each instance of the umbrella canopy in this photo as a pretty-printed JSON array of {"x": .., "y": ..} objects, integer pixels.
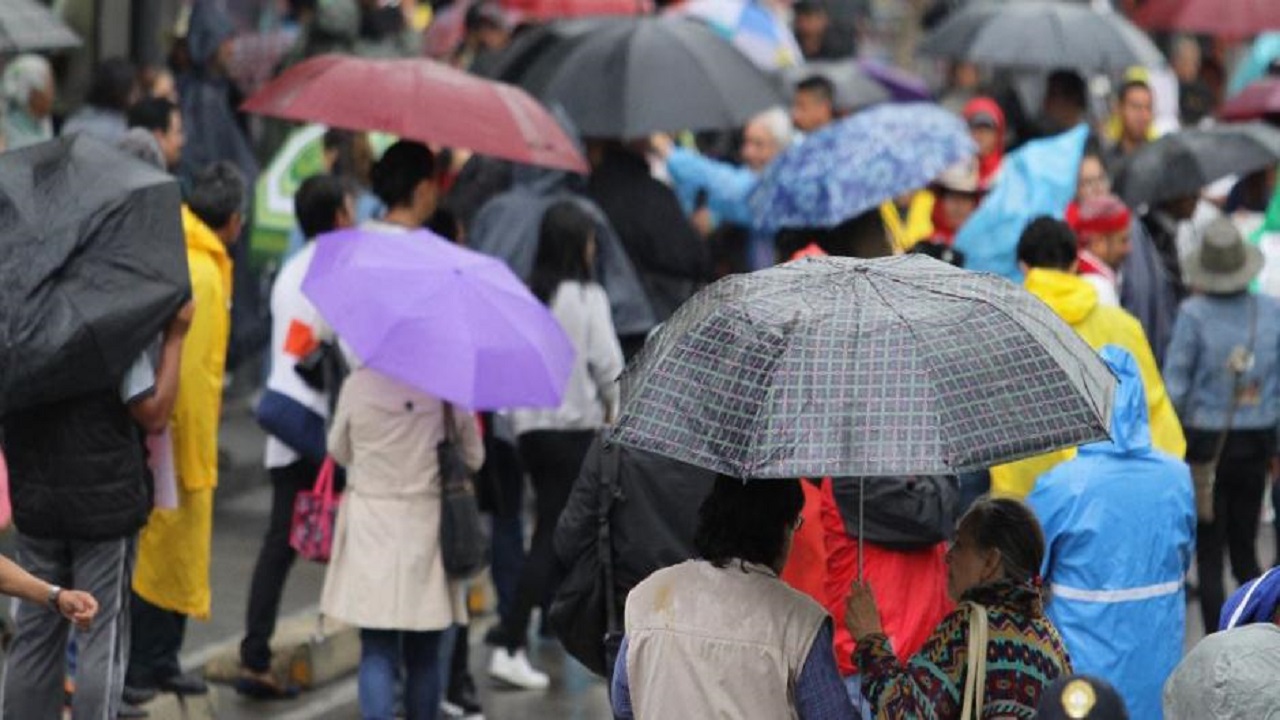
[
  {"x": 904, "y": 86},
  {"x": 634, "y": 77},
  {"x": 441, "y": 318},
  {"x": 93, "y": 264},
  {"x": 867, "y": 368},
  {"x": 556, "y": 9},
  {"x": 26, "y": 26},
  {"x": 1180, "y": 164},
  {"x": 534, "y": 56},
  {"x": 1041, "y": 34},
  {"x": 419, "y": 99},
  {"x": 855, "y": 88},
  {"x": 755, "y": 29},
  {"x": 1257, "y": 101},
  {"x": 857, "y": 163},
  {"x": 1231, "y": 19}
]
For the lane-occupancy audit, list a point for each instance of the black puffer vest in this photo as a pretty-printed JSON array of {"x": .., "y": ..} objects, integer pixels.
[{"x": 77, "y": 469}]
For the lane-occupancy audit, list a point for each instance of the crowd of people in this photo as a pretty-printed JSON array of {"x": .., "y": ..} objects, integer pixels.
[{"x": 1012, "y": 592}]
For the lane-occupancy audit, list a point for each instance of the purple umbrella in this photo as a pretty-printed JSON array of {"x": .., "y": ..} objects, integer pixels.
[
  {"x": 902, "y": 85},
  {"x": 446, "y": 320}
]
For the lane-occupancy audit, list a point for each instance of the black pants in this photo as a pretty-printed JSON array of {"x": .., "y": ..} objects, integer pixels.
[
  {"x": 157, "y": 636},
  {"x": 275, "y": 559},
  {"x": 553, "y": 459},
  {"x": 1237, "y": 506}
]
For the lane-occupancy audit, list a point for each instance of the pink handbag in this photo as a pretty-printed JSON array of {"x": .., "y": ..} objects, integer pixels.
[{"x": 315, "y": 513}]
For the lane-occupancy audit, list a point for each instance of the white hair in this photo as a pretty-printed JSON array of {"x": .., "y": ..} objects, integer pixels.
[
  {"x": 778, "y": 123},
  {"x": 24, "y": 75}
]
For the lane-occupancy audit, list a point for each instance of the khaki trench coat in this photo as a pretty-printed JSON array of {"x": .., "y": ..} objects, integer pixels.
[{"x": 386, "y": 570}]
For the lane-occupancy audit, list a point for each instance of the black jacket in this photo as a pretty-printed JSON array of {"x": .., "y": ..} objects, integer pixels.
[
  {"x": 78, "y": 469},
  {"x": 672, "y": 261}
]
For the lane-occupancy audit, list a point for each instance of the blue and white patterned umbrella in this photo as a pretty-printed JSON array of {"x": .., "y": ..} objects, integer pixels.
[
  {"x": 858, "y": 163},
  {"x": 759, "y": 32}
]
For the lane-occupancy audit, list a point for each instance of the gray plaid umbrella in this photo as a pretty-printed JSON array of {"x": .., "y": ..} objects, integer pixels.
[
  {"x": 26, "y": 25},
  {"x": 867, "y": 368}
]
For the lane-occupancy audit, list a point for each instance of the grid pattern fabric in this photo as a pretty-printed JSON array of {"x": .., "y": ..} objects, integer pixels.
[{"x": 844, "y": 367}]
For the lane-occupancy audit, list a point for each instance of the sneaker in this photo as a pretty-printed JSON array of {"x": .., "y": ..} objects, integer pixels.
[
  {"x": 461, "y": 701},
  {"x": 513, "y": 668},
  {"x": 450, "y": 710}
]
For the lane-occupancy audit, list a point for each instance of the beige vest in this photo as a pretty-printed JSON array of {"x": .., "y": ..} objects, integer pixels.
[{"x": 705, "y": 642}]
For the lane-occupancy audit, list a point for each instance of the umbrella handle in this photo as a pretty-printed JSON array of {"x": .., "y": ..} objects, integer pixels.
[{"x": 862, "y": 487}]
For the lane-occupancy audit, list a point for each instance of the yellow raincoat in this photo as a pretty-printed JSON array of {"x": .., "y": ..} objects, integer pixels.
[
  {"x": 1075, "y": 301},
  {"x": 174, "y": 547},
  {"x": 916, "y": 226}
]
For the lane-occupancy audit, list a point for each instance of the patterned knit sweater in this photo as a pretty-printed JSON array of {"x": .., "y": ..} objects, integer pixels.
[{"x": 1025, "y": 654}]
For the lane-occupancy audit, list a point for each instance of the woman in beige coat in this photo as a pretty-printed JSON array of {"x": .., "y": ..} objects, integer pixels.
[{"x": 386, "y": 575}]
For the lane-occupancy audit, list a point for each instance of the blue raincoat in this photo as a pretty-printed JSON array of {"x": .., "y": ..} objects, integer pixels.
[{"x": 1119, "y": 523}]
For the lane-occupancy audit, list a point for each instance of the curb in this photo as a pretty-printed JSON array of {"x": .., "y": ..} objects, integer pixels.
[{"x": 305, "y": 653}]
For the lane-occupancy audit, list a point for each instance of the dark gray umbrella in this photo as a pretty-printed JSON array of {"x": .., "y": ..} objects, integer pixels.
[
  {"x": 636, "y": 76},
  {"x": 1040, "y": 34},
  {"x": 1180, "y": 164},
  {"x": 532, "y": 59},
  {"x": 92, "y": 266},
  {"x": 855, "y": 88},
  {"x": 26, "y": 25},
  {"x": 863, "y": 368}
]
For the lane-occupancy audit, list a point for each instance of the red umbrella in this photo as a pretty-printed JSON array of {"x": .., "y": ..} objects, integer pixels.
[
  {"x": 556, "y": 9},
  {"x": 1259, "y": 100},
  {"x": 1224, "y": 18},
  {"x": 422, "y": 100}
]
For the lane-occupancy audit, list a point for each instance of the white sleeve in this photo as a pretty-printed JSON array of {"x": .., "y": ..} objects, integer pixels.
[
  {"x": 604, "y": 354},
  {"x": 139, "y": 380}
]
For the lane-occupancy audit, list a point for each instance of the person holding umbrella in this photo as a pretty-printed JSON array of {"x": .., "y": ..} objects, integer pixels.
[
  {"x": 722, "y": 636},
  {"x": 404, "y": 180},
  {"x": 29, "y": 92},
  {"x": 994, "y": 567}
]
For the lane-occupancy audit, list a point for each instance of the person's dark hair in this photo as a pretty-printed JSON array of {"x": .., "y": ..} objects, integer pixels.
[
  {"x": 1093, "y": 148},
  {"x": 938, "y": 251},
  {"x": 819, "y": 85},
  {"x": 1011, "y": 528},
  {"x": 1130, "y": 86},
  {"x": 445, "y": 224},
  {"x": 808, "y": 7},
  {"x": 862, "y": 236},
  {"x": 1070, "y": 86},
  {"x": 562, "y": 249},
  {"x": 217, "y": 193},
  {"x": 400, "y": 170},
  {"x": 154, "y": 114},
  {"x": 317, "y": 204},
  {"x": 481, "y": 15},
  {"x": 113, "y": 85},
  {"x": 1048, "y": 243},
  {"x": 747, "y": 520}
]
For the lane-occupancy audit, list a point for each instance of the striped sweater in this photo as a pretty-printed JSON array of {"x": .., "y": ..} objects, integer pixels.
[{"x": 1024, "y": 655}]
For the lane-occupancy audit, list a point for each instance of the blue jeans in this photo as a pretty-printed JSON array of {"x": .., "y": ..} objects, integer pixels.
[
  {"x": 382, "y": 654},
  {"x": 853, "y": 684}
]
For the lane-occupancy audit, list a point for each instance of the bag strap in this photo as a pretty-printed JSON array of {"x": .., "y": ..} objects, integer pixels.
[
  {"x": 975, "y": 678},
  {"x": 604, "y": 542},
  {"x": 1236, "y": 377},
  {"x": 324, "y": 481},
  {"x": 450, "y": 430}
]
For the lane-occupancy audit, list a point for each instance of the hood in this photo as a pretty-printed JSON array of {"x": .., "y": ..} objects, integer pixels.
[
  {"x": 1070, "y": 296},
  {"x": 989, "y": 165},
  {"x": 209, "y": 27},
  {"x": 1130, "y": 427}
]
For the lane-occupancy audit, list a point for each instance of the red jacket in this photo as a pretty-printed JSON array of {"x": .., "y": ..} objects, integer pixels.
[
  {"x": 910, "y": 586},
  {"x": 806, "y": 568}
]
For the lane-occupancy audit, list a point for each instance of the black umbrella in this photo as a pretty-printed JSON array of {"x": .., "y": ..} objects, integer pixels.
[
  {"x": 636, "y": 76},
  {"x": 855, "y": 88},
  {"x": 26, "y": 25},
  {"x": 1047, "y": 35},
  {"x": 532, "y": 59},
  {"x": 92, "y": 266},
  {"x": 1182, "y": 163}
]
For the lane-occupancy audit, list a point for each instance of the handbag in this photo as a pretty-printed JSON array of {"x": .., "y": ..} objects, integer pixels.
[
  {"x": 464, "y": 546},
  {"x": 1204, "y": 475},
  {"x": 314, "y": 517},
  {"x": 975, "y": 677}
]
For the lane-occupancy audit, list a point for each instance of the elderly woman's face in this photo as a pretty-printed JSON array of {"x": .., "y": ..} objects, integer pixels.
[
  {"x": 969, "y": 565},
  {"x": 40, "y": 101}
]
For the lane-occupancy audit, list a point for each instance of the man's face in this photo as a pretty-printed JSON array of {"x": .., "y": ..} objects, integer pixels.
[
  {"x": 1093, "y": 181},
  {"x": 810, "y": 111},
  {"x": 1136, "y": 114},
  {"x": 810, "y": 27},
  {"x": 492, "y": 37},
  {"x": 172, "y": 141},
  {"x": 1111, "y": 248},
  {"x": 758, "y": 146}
]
